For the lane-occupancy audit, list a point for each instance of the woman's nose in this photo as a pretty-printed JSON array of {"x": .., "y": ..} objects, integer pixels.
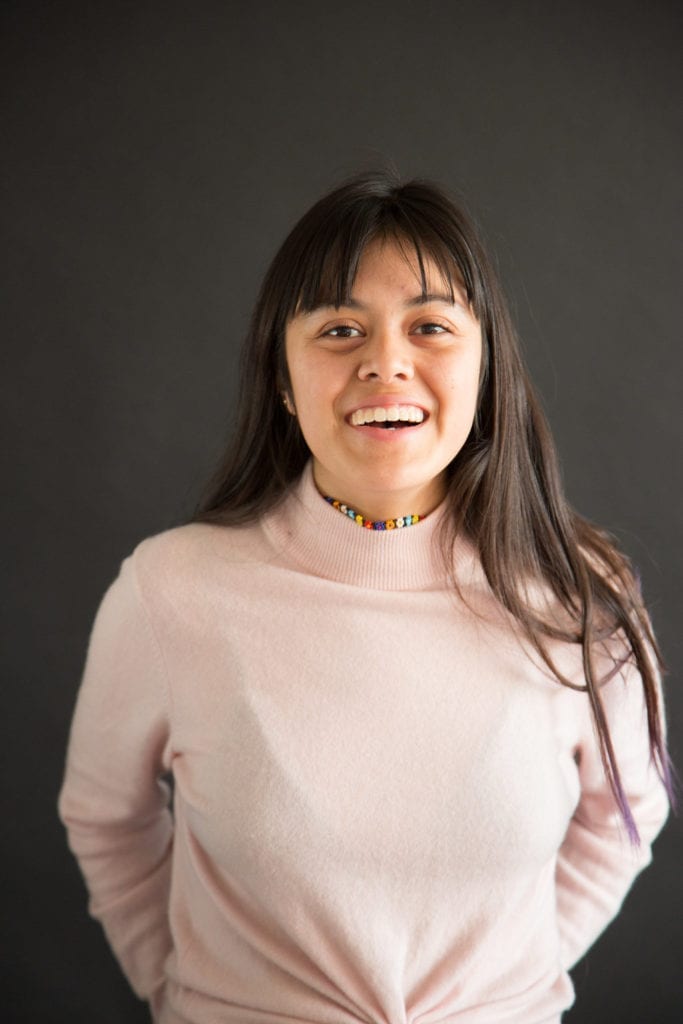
[{"x": 386, "y": 356}]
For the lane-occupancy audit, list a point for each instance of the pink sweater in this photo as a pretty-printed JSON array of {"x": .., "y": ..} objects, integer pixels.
[{"x": 384, "y": 811}]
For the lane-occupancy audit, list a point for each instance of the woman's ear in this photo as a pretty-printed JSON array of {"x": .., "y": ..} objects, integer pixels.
[{"x": 288, "y": 402}]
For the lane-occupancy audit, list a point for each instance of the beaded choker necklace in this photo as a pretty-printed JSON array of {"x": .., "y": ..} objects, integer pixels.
[{"x": 373, "y": 524}]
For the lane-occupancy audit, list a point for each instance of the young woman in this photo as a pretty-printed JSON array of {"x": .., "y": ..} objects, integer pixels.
[{"x": 408, "y": 697}]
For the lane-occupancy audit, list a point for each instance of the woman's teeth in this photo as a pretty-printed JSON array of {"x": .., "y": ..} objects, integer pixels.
[{"x": 387, "y": 414}]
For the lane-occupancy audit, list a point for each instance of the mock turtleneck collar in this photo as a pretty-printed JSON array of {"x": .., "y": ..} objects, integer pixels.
[{"x": 306, "y": 529}]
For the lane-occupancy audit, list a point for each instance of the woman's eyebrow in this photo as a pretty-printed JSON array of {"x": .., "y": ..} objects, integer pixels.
[
  {"x": 422, "y": 300},
  {"x": 416, "y": 300}
]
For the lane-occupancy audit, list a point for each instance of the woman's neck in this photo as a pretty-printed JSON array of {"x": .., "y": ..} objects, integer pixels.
[{"x": 380, "y": 506}]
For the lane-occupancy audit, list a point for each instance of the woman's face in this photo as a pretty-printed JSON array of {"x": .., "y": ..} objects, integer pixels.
[{"x": 385, "y": 388}]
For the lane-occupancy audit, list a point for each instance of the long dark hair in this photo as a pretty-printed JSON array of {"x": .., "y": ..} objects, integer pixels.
[{"x": 504, "y": 488}]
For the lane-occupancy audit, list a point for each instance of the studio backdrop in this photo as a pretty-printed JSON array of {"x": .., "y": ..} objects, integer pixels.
[{"x": 155, "y": 155}]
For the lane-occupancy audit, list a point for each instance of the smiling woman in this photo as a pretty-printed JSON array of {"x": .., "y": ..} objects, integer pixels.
[
  {"x": 385, "y": 356},
  {"x": 415, "y": 770}
]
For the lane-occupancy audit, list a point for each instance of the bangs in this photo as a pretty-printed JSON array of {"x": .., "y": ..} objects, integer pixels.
[{"x": 330, "y": 257}]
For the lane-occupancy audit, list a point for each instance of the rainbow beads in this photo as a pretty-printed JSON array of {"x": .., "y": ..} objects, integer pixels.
[{"x": 370, "y": 524}]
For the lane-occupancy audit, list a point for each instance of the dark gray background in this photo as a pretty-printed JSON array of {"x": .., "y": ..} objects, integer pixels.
[{"x": 154, "y": 156}]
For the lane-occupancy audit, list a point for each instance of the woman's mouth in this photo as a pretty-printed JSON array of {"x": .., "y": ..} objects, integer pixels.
[{"x": 390, "y": 417}]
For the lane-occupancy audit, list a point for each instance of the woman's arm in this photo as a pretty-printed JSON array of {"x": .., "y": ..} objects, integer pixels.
[
  {"x": 597, "y": 864},
  {"x": 113, "y": 801}
]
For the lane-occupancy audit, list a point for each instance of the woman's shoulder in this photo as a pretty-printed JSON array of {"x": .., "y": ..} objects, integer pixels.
[{"x": 185, "y": 556}]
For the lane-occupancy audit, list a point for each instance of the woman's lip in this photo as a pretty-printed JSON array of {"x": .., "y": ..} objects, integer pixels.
[
  {"x": 387, "y": 403},
  {"x": 391, "y": 434}
]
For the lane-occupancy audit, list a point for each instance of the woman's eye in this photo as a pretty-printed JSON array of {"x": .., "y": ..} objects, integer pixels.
[
  {"x": 431, "y": 328},
  {"x": 342, "y": 331}
]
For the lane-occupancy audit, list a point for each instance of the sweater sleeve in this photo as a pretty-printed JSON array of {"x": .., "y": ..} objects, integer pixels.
[
  {"x": 597, "y": 864},
  {"x": 113, "y": 801}
]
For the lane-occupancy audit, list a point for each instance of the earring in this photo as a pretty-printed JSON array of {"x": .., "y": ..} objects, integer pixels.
[{"x": 287, "y": 402}]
